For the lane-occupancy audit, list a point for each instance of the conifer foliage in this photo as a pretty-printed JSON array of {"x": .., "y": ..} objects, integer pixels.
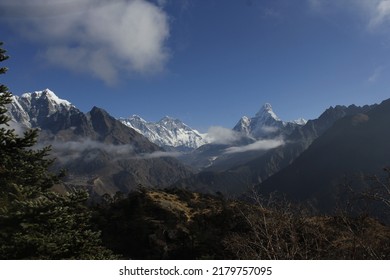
[{"x": 36, "y": 222}]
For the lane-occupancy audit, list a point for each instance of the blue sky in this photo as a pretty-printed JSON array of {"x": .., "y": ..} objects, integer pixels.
[{"x": 206, "y": 62}]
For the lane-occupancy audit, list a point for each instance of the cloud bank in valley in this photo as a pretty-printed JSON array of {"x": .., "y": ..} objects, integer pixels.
[
  {"x": 87, "y": 149},
  {"x": 159, "y": 154},
  {"x": 259, "y": 145},
  {"x": 100, "y": 37},
  {"x": 221, "y": 135}
]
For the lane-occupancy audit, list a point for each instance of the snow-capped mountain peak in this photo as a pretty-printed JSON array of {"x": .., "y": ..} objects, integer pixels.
[
  {"x": 136, "y": 117},
  {"x": 48, "y": 95},
  {"x": 243, "y": 125},
  {"x": 266, "y": 124},
  {"x": 167, "y": 132},
  {"x": 174, "y": 124},
  {"x": 300, "y": 121},
  {"x": 266, "y": 112},
  {"x": 32, "y": 108},
  {"x": 137, "y": 123},
  {"x": 169, "y": 120}
]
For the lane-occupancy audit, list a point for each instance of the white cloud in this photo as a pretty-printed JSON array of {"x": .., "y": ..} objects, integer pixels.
[
  {"x": 18, "y": 128},
  {"x": 72, "y": 150},
  {"x": 256, "y": 146},
  {"x": 99, "y": 37},
  {"x": 221, "y": 135},
  {"x": 269, "y": 129},
  {"x": 88, "y": 144},
  {"x": 381, "y": 14},
  {"x": 90, "y": 149},
  {"x": 159, "y": 154}
]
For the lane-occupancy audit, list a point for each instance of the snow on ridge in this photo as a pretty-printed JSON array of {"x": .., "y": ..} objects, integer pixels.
[
  {"x": 167, "y": 131},
  {"x": 266, "y": 123},
  {"x": 267, "y": 112},
  {"x": 50, "y": 95},
  {"x": 300, "y": 121}
]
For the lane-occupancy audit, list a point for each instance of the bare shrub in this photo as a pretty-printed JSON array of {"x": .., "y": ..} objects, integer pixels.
[{"x": 278, "y": 229}]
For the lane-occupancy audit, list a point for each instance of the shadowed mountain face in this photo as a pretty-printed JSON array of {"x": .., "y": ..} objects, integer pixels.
[
  {"x": 98, "y": 151},
  {"x": 238, "y": 178},
  {"x": 355, "y": 146},
  {"x": 114, "y": 157}
]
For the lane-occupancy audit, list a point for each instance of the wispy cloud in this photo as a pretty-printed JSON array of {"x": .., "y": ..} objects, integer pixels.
[
  {"x": 256, "y": 146},
  {"x": 159, "y": 154},
  {"x": 87, "y": 144},
  {"x": 87, "y": 149},
  {"x": 376, "y": 74},
  {"x": 221, "y": 135},
  {"x": 18, "y": 128},
  {"x": 381, "y": 14},
  {"x": 100, "y": 37},
  {"x": 374, "y": 12},
  {"x": 269, "y": 129}
]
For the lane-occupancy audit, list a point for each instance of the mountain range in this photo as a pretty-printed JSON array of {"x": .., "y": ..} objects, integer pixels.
[
  {"x": 249, "y": 139},
  {"x": 99, "y": 152},
  {"x": 305, "y": 160},
  {"x": 173, "y": 134},
  {"x": 169, "y": 133},
  {"x": 257, "y": 166}
]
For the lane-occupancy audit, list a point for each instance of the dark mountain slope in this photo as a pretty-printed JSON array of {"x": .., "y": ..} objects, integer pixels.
[
  {"x": 354, "y": 146},
  {"x": 236, "y": 180},
  {"x": 262, "y": 167},
  {"x": 112, "y": 157}
]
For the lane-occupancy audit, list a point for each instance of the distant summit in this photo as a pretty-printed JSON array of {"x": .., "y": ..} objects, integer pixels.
[
  {"x": 266, "y": 124},
  {"x": 168, "y": 132},
  {"x": 34, "y": 109},
  {"x": 48, "y": 95},
  {"x": 266, "y": 112}
]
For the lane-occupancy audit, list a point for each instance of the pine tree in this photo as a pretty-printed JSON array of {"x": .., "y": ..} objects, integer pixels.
[{"x": 36, "y": 222}]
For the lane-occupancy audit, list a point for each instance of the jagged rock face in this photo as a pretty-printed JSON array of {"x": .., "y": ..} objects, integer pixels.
[
  {"x": 45, "y": 111},
  {"x": 35, "y": 109}
]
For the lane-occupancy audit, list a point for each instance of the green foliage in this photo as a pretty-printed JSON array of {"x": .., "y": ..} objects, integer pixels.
[
  {"x": 51, "y": 226},
  {"x": 36, "y": 222}
]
